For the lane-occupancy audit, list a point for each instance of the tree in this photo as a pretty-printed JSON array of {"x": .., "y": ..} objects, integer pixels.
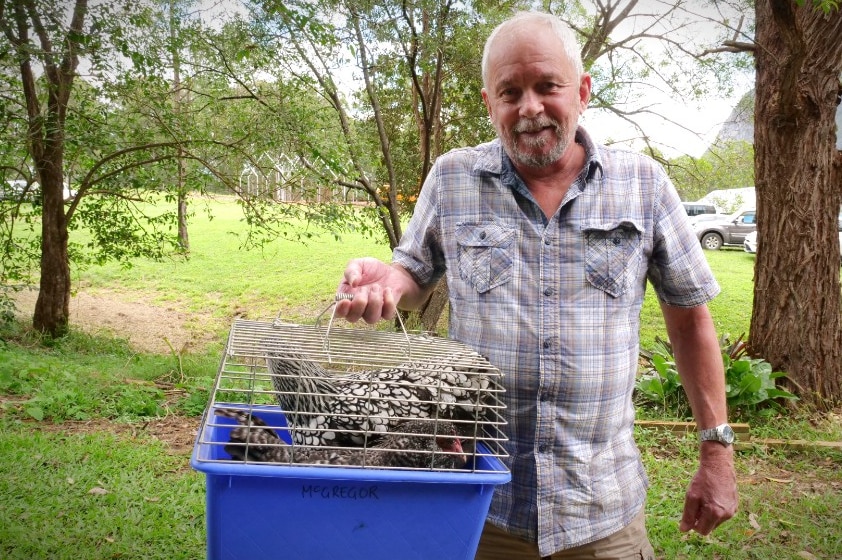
[
  {"x": 726, "y": 165},
  {"x": 642, "y": 54},
  {"x": 101, "y": 132},
  {"x": 795, "y": 322},
  {"x": 383, "y": 70},
  {"x": 59, "y": 50}
]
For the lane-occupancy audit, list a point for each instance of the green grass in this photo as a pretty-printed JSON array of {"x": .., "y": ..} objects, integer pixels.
[
  {"x": 154, "y": 505},
  {"x": 298, "y": 280},
  {"x": 731, "y": 309},
  {"x": 96, "y": 496},
  {"x": 221, "y": 278},
  {"x": 788, "y": 503},
  {"x": 85, "y": 376}
]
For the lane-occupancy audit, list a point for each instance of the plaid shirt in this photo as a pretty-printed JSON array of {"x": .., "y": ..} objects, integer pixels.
[{"x": 555, "y": 304}]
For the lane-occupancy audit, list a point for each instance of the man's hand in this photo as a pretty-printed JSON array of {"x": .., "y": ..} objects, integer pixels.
[
  {"x": 377, "y": 288},
  {"x": 712, "y": 496}
]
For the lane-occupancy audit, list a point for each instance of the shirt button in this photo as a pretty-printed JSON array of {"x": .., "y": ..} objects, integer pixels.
[
  {"x": 482, "y": 235},
  {"x": 548, "y": 242},
  {"x": 542, "y": 448},
  {"x": 548, "y": 292},
  {"x": 547, "y": 344}
]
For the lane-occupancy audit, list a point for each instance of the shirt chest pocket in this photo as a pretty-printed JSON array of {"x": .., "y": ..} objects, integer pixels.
[
  {"x": 612, "y": 255},
  {"x": 485, "y": 254}
]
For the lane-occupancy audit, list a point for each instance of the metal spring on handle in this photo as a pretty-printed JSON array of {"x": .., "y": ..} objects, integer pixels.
[{"x": 339, "y": 296}]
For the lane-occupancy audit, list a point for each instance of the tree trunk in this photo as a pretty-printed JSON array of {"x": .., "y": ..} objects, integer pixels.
[
  {"x": 795, "y": 323},
  {"x": 52, "y": 309},
  {"x": 46, "y": 146},
  {"x": 183, "y": 235},
  {"x": 430, "y": 313},
  {"x": 178, "y": 99}
]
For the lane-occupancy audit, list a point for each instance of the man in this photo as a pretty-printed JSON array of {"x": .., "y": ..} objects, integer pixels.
[{"x": 547, "y": 241}]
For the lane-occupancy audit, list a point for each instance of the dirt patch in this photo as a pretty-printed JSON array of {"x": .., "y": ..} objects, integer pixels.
[
  {"x": 178, "y": 433},
  {"x": 147, "y": 327}
]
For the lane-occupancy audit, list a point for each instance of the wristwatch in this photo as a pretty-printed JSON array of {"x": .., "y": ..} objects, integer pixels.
[{"x": 722, "y": 433}]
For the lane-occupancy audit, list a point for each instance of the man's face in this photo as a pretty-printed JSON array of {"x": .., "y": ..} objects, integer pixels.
[{"x": 533, "y": 96}]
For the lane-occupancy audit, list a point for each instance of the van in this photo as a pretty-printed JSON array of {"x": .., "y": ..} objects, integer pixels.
[{"x": 698, "y": 208}]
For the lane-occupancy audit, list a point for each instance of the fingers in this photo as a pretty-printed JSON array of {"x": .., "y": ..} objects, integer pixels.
[
  {"x": 367, "y": 280},
  {"x": 353, "y": 274},
  {"x": 376, "y": 290},
  {"x": 701, "y": 518},
  {"x": 371, "y": 304},
  {"x": 710, "y": 501}
]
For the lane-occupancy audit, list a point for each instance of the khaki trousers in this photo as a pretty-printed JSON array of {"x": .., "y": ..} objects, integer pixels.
[{"x": 629, "y": 543}]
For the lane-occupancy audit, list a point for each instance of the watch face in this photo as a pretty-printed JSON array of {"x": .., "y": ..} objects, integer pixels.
[{"x": 726, "y": 434}]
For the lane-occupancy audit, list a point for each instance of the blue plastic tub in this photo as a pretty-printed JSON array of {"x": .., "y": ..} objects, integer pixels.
[{"x": 276, "y": 512}]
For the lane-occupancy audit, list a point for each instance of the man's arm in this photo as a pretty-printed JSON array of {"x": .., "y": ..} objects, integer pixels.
[{"x": 712, "y": 495}]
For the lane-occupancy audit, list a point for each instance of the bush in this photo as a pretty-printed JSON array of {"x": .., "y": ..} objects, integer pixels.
[{"x": 749, "y": 382}]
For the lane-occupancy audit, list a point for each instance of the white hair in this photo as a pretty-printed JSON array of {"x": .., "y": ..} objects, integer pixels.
[{"x": 557, "y": 26}]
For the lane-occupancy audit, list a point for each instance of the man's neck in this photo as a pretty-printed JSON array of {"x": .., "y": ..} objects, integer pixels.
[{"x": 550, "y": 184}]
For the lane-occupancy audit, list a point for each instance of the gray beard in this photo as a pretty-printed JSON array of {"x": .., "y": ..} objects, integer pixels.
[{"x": 530, "y": 159}]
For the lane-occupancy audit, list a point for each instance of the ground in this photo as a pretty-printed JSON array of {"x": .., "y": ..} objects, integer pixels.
[
  {"x": 178, "y": 433},
  {"x": 147, "y": 327}
]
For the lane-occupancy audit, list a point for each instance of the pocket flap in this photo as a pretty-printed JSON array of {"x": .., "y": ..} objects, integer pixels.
[{"x": 484, "y": 234}]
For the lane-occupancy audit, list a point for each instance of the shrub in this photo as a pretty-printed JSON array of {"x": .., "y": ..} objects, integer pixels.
[{"x": 749, "y": 382}]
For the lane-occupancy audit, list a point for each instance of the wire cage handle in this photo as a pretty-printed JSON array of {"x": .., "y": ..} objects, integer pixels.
[{"x": 340, "y": 296}]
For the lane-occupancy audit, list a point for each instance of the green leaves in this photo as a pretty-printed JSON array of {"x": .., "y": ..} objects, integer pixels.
[
  {"x": 661, "y": 385},
  {"x": 826, "y": 6},
  {"x": 46, "y": 387},
  {"x": 749, "y": 382}
]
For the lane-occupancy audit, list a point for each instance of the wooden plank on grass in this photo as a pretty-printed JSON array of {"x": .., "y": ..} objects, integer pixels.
[
  {"x": 743, "y": 431},
  {"x": 744, "y": 440}
]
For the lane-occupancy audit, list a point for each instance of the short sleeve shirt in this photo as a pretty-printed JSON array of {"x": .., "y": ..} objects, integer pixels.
[{"x": 554, "y": 302}]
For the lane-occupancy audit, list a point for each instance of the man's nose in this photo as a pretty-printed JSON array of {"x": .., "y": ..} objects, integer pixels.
[{"x": 531, "y": 104}]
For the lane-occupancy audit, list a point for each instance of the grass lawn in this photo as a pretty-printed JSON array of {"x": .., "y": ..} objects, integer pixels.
[{"x": 86, "y": 476}]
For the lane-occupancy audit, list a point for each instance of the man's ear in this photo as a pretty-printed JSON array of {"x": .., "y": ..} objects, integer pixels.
[
  {"x": 486, "y": 101},
  {"x": 584, "y": 92}
]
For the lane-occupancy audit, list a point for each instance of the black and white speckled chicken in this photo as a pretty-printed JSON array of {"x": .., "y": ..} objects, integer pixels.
[
  {"x": 414, "y": 444},
  {"x": 345, "y": 409}
]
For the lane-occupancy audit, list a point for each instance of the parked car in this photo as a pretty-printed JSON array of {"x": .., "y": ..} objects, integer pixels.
[
  {"x": 18, "y": 189},
  {"x": 732, "y": 230},
  {"x": 750, "y": 244},
  {"x": 697, "y": 208}
]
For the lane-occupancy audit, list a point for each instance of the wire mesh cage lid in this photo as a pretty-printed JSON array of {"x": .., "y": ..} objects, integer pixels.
[{"x": 310, "y": 395}]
